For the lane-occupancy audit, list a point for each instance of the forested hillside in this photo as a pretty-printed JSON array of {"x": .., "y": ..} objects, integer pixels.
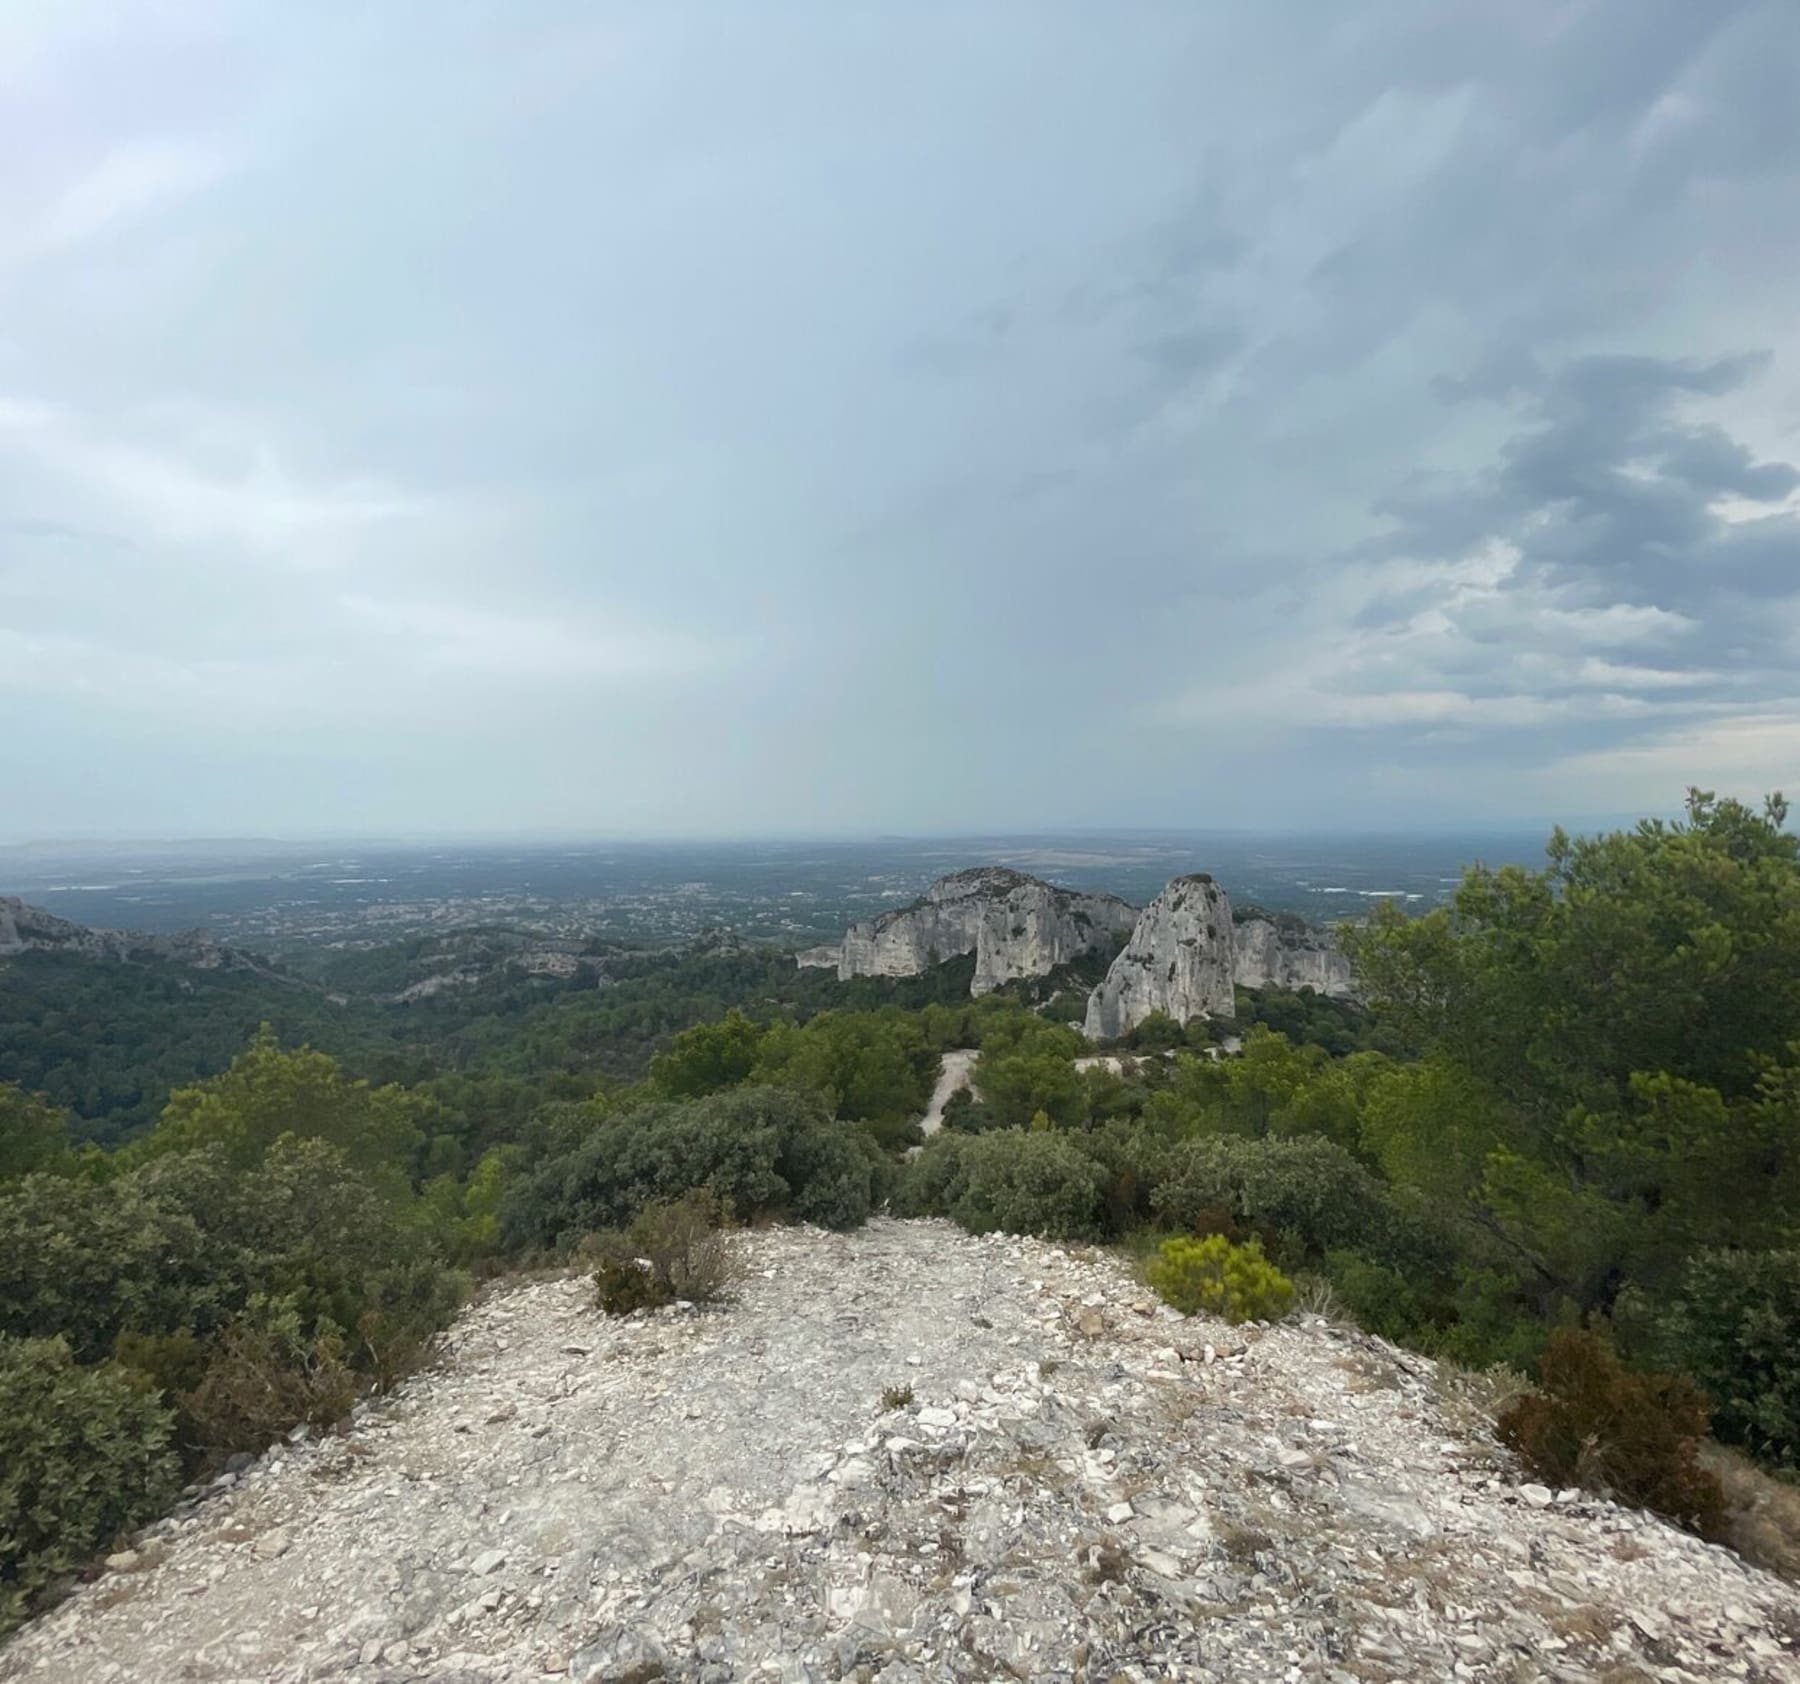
[{"x": 1566, "y": 1127}]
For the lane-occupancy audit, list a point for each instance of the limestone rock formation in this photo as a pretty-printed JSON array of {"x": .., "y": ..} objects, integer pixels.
[
  {"x": 30, "y": 929},
  {"x": 1016, "y": 926},
  {"x": 1288, "y": 953},
  {"x": 1179, "y": 960}
]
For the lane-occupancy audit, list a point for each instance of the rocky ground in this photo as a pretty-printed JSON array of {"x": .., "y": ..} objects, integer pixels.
[{"x": 1062, "y": 1482}]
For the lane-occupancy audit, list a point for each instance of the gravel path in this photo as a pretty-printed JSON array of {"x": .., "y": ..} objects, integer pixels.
[
  {"x": 956, "y": 1071},
  {"x": 1080, "y": 1487}
]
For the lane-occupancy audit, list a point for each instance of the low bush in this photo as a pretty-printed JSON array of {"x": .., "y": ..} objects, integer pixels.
[
  {"x": 271, "y": 1372},
  {"x": 1633, "y": 1437},
  {"x": 1303, "y": 1194},
  {"x": 765, "y": 1151},
  {"x": 674, "y": 1249},
  {"x": 623, "y": 1286},
  {"x": 1215, "y": 1277},
  {"x": 84, "y": 1456},
  {"x": 1017, "y": 1181}
]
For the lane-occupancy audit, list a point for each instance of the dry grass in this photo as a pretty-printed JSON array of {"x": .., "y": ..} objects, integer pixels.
[
  {"x": 1588, "y": 1624},
  {"x": 1762, "y": 1513},
  {"x": 1243, "y": 1544},
  {"x": 1473, "y": 1399}
]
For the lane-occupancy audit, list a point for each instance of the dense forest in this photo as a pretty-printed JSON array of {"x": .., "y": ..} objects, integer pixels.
[{"x": 1564, "y": 1128}]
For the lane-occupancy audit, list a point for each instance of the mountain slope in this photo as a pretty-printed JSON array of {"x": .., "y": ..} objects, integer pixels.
[{"x": 1082, "y": 1486}]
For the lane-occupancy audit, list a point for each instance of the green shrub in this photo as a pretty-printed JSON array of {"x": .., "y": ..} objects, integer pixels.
[
  {"x": 622, "y": 1286},
  {"x": 1218, "y": 1278},
  {"x": 834, "y": 1171},
  {"x": 84, "y": 1456},
  {"x": 86, "y": 1261},
  {"x": 403, "y": 1307},
  {"x": 1381, "y": 1299},
  {"x": 965, "y": 1114},
  {"x": 1133, "y": 1160},
  {"x": 1028, "y": 1182},
  {"x": 932, "y": 1180},
  {"x": 1633, "y": 1437},
  {"x": 765, "y": 1151},
  {"x": 1733, "y": 1322},
  {"x": 1304, "y": 1191}
]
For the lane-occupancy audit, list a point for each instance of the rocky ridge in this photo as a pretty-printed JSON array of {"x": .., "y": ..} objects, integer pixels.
[
  {"x": 1180, "y": 960},
  {"x": 29, "y": 929},
  {"x": 1065, "y": 1481},
  {"x": 1015, "y": 925},
  {"x": 1289, "y": 954}
]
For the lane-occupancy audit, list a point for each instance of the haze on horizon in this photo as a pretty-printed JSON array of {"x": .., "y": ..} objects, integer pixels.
[{"x": 800, "y": 419}]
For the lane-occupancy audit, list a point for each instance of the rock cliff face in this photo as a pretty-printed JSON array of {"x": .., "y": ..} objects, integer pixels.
[
  {"x": 29, "y": 929},
  {"x": 1016, "y": 926},
  {"x": 1179, "y": 960},
  {"x": 1289, "y": 955}
]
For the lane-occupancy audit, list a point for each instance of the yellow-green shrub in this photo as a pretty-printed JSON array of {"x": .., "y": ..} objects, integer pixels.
[{"x": 1222, "y": 1279}]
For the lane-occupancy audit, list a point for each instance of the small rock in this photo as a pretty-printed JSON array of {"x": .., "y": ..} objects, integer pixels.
[
  {"x": 1119, "y": 1513},
  {"x": 271, "y": 1544},
  {"x": 123, "y": 1562},
  {"x": 489, "y": 1561},
  {"x": 1538, "y": 1496}
]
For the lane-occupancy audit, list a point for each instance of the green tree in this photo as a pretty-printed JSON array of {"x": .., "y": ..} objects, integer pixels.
[
  {"x": 269, "y": 1092},
  {"x": 32, "y": 1133},
  {"x": 1621, "y": 1028},
  {"x": 708, "y": 1058},
  {"x": 1016, "y": 1086}
]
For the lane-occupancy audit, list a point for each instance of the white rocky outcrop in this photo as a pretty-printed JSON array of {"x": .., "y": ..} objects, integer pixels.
[
  {"x": 1179, "y": 960},
  {"x": 1286, "y": 953},
  {"x": 1075, "y": 1471},
  {"x": 1016, "y": 926}
]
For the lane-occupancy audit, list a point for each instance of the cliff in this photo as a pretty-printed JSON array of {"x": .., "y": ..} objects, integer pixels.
[
  {"x": 1016, "y": 926},
  {"x": 1289, "y": 954},
  {"x": 30, "y": 929},
  {"x": 1179, "y": 960}
]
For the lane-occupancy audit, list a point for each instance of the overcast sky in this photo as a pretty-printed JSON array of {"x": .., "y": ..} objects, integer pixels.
[{"x": 776, "y": 417}]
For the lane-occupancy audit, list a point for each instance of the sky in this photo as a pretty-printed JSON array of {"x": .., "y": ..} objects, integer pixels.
[{"x": 792, "y": 418}]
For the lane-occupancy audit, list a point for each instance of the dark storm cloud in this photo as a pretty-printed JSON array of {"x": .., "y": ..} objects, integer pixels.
[{"x": 1611, "y": 487}]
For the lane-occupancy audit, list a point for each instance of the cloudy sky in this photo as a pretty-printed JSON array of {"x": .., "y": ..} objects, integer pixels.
[{"x": 805, "y": 417}]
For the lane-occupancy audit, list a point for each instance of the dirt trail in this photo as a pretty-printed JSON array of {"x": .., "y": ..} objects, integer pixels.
[
  {"x": 1079, "y": 1486},
  {"x": 956, "y": 1071}
]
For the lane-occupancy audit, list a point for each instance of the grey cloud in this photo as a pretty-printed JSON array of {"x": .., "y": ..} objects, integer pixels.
[{"x": 802, "y": 416}]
